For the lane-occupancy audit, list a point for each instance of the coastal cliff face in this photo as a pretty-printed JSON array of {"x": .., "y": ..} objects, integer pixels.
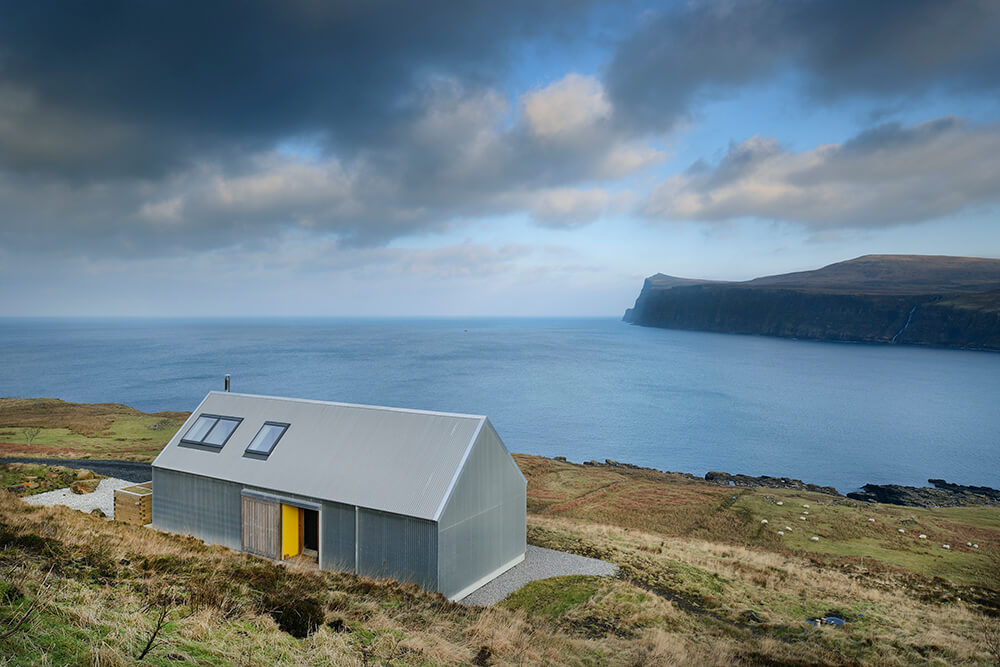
[{"x": 936, "y": 301}]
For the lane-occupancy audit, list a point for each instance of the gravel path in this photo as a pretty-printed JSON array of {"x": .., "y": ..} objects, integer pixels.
[
  {"x": 103, "y": 497},
  {"x": 134, "y": 471},
  {"x": 538, "y": 563}
]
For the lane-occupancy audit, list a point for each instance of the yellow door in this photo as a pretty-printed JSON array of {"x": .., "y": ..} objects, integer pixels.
[{"x": 290, "y": 531}]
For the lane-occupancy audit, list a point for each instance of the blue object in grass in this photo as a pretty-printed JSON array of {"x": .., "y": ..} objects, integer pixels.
[{"x": 826, "y": 620}]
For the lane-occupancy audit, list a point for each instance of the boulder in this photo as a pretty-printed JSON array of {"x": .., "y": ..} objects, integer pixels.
[{"x": 84, "y": 486}]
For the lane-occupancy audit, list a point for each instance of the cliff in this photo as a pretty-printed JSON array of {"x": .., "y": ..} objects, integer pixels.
[{"x": 900, "y": 299}]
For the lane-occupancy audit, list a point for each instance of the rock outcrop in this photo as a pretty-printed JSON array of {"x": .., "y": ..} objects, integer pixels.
[
  {"x": 944, "y": 494},
  {"x": 766, "y": 481}
]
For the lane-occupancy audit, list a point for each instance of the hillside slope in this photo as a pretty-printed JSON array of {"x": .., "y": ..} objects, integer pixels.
[
  {"x": 704, "y": 580},
  {"x": 899, "y": 299}
]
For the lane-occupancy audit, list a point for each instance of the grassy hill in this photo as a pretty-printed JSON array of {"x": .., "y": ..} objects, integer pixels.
[
  {"x": 896, "y": 274},
  {"x": 83, "y": 430},
  {"x": 703, "y": 581}
]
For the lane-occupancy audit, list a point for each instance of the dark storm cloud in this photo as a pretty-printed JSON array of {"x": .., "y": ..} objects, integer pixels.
[
  {"x": 155, "y": 127},
  {"x": 125, "y": 89},
  {"x": 131, "y": 129},
  {"x": 886, "y": 48},
  {"x": 457, "y": 157}
]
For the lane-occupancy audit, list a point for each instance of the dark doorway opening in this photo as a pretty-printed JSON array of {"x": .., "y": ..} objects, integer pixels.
[{"x": 310, "y": 530}]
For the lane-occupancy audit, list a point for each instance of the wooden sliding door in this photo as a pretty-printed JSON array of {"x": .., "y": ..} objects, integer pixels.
[{"x": 262, "y": 527}]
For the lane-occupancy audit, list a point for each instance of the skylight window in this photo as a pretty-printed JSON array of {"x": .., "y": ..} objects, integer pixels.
[
  {"x": 265, "y": 440},
  {"x": 211, "y": 431}
]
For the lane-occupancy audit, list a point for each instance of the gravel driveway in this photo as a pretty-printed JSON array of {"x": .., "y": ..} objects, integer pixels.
[
  {"x": 103, "y": 497},
  {"x": 133, "y": 471},
  {"x": 538, "y": 563}
]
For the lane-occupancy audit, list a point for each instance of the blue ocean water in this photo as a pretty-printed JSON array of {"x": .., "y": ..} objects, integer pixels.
[{"x": 591, "y": 388}]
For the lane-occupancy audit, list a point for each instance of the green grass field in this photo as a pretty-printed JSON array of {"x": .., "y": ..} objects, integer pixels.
[{"x": 80, "y": 430}]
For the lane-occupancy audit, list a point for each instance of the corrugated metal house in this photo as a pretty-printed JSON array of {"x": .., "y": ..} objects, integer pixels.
[{"x": 428, "y": 497}]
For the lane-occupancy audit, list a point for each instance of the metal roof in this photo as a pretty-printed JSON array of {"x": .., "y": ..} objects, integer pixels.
[{"x": 389, "y": 459}]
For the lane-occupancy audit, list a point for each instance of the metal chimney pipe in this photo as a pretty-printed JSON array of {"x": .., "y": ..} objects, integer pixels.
[{"x": 227, "y": 383}]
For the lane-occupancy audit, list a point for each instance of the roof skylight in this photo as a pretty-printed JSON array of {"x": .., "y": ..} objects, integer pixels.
[
  {"x": 265, "y": 440},
  {"x": 211, "y": 431}
]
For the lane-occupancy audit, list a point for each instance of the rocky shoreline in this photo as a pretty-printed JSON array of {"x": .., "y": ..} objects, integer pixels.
[
  {"x": 767, "y": 482},
  {"x": 943, "y": 493}
]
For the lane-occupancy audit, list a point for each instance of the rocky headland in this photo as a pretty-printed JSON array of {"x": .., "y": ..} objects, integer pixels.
[{"x": 893, "y": 299}]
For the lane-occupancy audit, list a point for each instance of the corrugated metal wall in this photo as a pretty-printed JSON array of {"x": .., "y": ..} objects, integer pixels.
[
  {"x": 396, "y": 546},
  {"x": 483, "y": 525},
  {"x": 336, "y": 534},
  {"x": 206, "y": 508},
  {"x": 211, "y": 510}
]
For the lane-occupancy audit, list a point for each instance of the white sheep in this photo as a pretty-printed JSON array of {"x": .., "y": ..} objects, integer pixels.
[
  {"x": 779, "y": 503},
  {"x": 922, "y": 536},
  {"x": 781, "y": 532},
  {"x": 946, "y": 546},
  {"x": 871, "y": 520},
  {"x": 968, "y": 544},
  {"x": 804, "y": 512},
  {"x": 788, "y": 528},
  {"x": 763, "y": 520},
  {"x": 806, "y": 506},
  {"x": 901, "y": 530},
  {"x": 975, "y": 546},
  {"x": 814, "y": 538}
]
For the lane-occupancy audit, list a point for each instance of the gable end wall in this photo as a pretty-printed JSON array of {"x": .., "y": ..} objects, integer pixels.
[{"x": 482, "y": 527}]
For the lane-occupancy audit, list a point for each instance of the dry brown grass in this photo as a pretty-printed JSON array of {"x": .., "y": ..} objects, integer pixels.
[
  {"x": 111, "y": 579},
  {"x": 668, "y": 503},
  {"x": 659, "y": 647},
  {"x": 722, "y": 580}
]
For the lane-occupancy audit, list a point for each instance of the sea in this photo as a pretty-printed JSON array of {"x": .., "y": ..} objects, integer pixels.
[{"x": 584, "y": 388}]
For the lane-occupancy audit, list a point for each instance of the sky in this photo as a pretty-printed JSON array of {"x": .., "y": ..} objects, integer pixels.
[{"x": 314, "y": 158}]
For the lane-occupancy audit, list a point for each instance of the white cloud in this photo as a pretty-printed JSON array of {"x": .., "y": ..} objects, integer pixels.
[
  {"x": 624, "y": 159},
  {"x": 566, "y": 107},
  {"x": 568, "y": 207},
  {"x": 165, "y": 211},
  {"x": 884, "y": 176}
]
